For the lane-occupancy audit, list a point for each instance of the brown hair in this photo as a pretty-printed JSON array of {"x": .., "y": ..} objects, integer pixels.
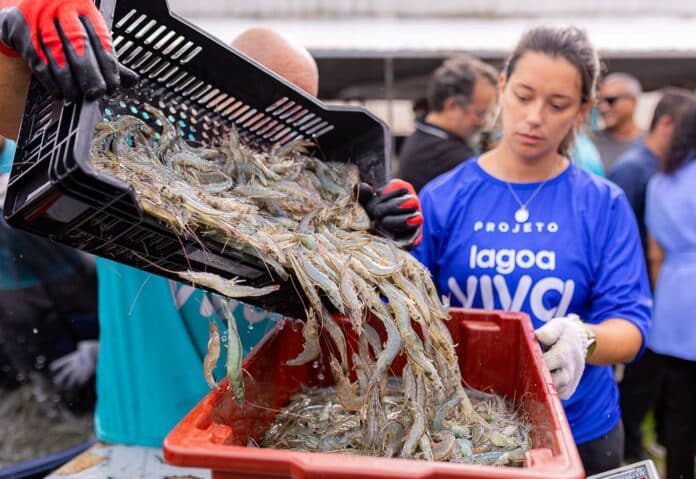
[
  {"x": 672, "y": 102},
  {"x": 569, "y": 43},
  {"x": 456, "y": 77},
  {"x": 682, "y": 149}
]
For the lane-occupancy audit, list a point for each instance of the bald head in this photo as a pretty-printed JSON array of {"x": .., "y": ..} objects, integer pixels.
[{"x": 289, "y": 60}]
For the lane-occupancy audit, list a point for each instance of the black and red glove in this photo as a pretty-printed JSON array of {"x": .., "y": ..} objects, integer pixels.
[
  {"x": 65, "y": 43},
  {"x": 395, "y": 211}
]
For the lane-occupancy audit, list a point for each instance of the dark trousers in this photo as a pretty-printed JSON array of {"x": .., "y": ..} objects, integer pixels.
[
  {"x": 38, "y": 323},
  {"x": 640, "y": 390},
  {"x": 603, "y": 453},
  {"x": 680, "y": 417}
]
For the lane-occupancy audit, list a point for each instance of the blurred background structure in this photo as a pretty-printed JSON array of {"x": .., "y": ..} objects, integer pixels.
[{"x": 381, "y": 53}]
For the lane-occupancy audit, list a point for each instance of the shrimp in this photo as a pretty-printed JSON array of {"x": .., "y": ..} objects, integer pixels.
[
  {"x": 227, "y": 287},
  {"x": 233, "y": 365},
  {"x": 312, "y": 347},
  {"x": 212, "y": 356}
]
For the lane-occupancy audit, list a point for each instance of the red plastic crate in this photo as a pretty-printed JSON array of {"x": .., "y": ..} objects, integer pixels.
[{"x": 497, "y": 351}]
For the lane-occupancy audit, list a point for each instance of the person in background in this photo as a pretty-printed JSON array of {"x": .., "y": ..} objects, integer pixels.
[
  {"x": 522, "y": 228},
  {"x": 634, "y": 168},
  {"x": 670, "y": 217},
  {"x": 45, "y": 286},
  {"x": 618, "y": 98},
  {"x": 48, "y": 294},
  {"x": 632, "y": 172},
  {"x": 460, "y": 95},
  {"x": 48, "y": 311}
]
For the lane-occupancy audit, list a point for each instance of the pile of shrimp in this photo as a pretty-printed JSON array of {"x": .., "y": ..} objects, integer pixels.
[
  {"x": 299, "y": 216},
  {"x": 315, "y": 420}
]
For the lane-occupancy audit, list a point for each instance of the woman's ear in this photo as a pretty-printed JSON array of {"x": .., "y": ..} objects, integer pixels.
[{"x": 502, "y": 80}]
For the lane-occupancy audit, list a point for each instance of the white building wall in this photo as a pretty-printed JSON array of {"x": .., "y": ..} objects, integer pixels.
[{"x": 430, "y": 8}]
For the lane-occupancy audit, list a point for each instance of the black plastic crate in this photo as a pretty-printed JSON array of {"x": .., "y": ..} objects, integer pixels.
[{"x": 206, "y": 88}]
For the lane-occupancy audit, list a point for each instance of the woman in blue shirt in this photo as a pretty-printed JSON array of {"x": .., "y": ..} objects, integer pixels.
[
  {"x": 521, "y": 228},
  {"x": 670, "y": 217}
]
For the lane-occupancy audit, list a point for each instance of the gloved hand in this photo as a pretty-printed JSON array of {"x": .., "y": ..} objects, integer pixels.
[
  {"x": 395, "y": 211},
  {"x": 65, "y": 43},
  {"x": 568, "y": 341},
  {"x": 75, "y": 368}
]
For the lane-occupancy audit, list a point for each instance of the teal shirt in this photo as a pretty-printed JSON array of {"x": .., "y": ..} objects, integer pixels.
[
  {"x": 153, "y": 337},
  {"x": 585, "y": 154},
  {"x": 6, "y": 157}
]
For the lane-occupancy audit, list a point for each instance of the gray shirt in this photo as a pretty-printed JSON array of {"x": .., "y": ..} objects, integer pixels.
[{"x": 610, "y": 148}]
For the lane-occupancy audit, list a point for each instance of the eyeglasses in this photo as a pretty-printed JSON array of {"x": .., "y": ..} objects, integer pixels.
[
  {"x": 610, "y": 100},
  {"x": 485, "y": 116}
]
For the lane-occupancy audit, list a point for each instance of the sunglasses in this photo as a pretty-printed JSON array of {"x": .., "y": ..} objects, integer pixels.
[{"x": 610, "y": 100}]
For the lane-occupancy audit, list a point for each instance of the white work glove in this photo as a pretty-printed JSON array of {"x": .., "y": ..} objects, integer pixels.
[
  {"x": 75, "y": 368},
  {"x": 567, "y": 342}
]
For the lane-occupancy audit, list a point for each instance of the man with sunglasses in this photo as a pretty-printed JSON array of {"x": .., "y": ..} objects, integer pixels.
[
  {"x": 461, "y": 94},
  {"x": 618, "y": 97}
]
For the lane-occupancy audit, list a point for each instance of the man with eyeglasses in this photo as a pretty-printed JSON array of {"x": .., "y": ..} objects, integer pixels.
[
  {"x": 618, "y": 97},
  {"x": 461, "y": 94}
]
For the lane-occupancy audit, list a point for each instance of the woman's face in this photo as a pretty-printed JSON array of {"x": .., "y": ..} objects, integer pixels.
[{"x": 541, "y": 103}]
